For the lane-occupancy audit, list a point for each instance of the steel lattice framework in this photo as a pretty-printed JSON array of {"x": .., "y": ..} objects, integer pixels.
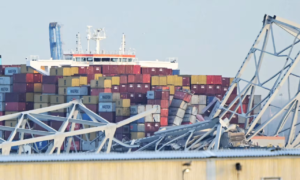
[{"x": 57, "y": 137}]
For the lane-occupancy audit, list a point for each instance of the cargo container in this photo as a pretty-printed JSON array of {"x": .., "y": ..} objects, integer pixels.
[
  {"x": 155, "y": 80},
  {"x": 137, "y": 127},
  {"x": 60, "y": 71},
  {"x": 105, "y": 97},
  {"x": 40, "y": 105},
  {"x": 129, "y": 69},
  {"x": 68, "y": 82},
  {"x": 14, "y": 97},
  {"x": 210, "y": 90},
  {"x": 92, "y": 107},
  {"x": 123, "y": 103},
  {"x": 57, "y": 99},
  {"x": 176, "y": 72},
  {"x": 186, "y": 81},
  {"x": 2, "y": 96},
  {"x": 163, "y": 103},
  {"x": 90, "y": 99},
  {"x": 185, "y": 96},
  {"x": 23, "y": 78},
  {"x": 9, "y": 71},
  {"x": 177, "y": 103},
  {"x": 161, "y": 94},
  {"x": 2, "y": 106},
  {"x": 49, "y": 88},
  {"x": 23, "y": 87},
  {"x": 109, "y": 116},
  {"x": 140, "y": 98},
  {"x": 71, "y": 98},
  {"x": 145, "y": 70},
  {"x": 123, "y": 111},
  {"x": 37, "y": 87},
  {"x": 137, "y": 109},
  {"x": 41, "y": 98},
  {"x": 107, "y": 107},
  {"x": 164, "y": 112},
  {"x": 29, "y": 97},
  {"x": 115, "y": 80},
  {"x": 51, "y": 79},
  {"x": 29, "y": 106},
  {"x": 15, "y": 106},
  {"x": 217, "y": 79},
  {"x": 152, "y": 127},
  {"x": 176, "y": 112},
  {"x": 26, "y": 69},
  {"x": 178, "y": 81},
  {"x": 6, "y": 80},
  {"x": 136, "y": 69},
  {"x": 137, "y": 135},
  {"x": 162, "y": 80},
  {"x": 123, "y": 129},
  {"x": 191, "y": 110},
  {"x": 77, "y": 91},
  {"x": 174, "y": 120},
  {"x": 115, "y": 88},
  {"x": 131, "y": 88},
  {"x": 62, "y": 90}
]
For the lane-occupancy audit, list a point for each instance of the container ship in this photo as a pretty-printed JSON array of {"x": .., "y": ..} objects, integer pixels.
[{"x": 115, "y": 86}]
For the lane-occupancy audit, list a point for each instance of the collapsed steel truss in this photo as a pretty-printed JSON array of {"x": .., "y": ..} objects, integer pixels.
[{"x": 57, "y": 137}]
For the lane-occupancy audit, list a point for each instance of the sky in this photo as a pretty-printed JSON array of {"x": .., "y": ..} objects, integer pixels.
[{"x": 207, "y": 36}]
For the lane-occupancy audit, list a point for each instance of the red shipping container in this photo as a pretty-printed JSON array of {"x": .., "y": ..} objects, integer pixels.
[
  {"x": 140, "y": 98},
  {"x": 151, "y": 101},
  {"x": 145, "y": 87},
  {"x": 123, "y": 88},
  {"x": 224, "y": 90},
  {"x": 138, "y": 88},
  {"x": 15, "y": 97},
  {"x": 131, "y": 88},
  {"x": 169, "y": 72},
  {"x": 195, "y": 89},
  {"x": 225, "y": 81},
  {"x": 217, "y": 79},
  {"x": 109, "y": 116},
  {"x": 92, "y": 107},
  {"x": 1, "y": 114},
  {"x": 121, "y": 69},
  {"x": 245, "y": 106},
  {"x": 234, "y": 91},
  {"x": 131, "y": 79},
  {"x": 153, "y": 88},
  {"x": 210, "y": 90},
  {"x": 124, "y": 95},
  {"x": 138, "y": 78},
  {"x": 107, "y": 90},
  {"x": 165, "y": 95},
  {"x": 82, "y": 70},
  {"x": 23, "y": 87},
  {"x": 218, "y": 89},
  {"x": 15, "y": 106},
  {"x": 209, "y": 79},
  {"x": 123, "y": 79},
  {"x": 132, "y": 97},
  {"x": 151, "y": 126},
  {"x": 113, "y": 69},
  {"x": 145, "y": 70},
  {"x": 163, "y": 103},
  {"x": 177, "y": 88},
  {"x": 115, "y": 88},
  {"x": 121, "y": 118},
  {"x": 97, "y": 69},
  {"x": 152, "y": 71},
  {"x": 90, "y": 77},
  {"x": 161, "y": 71},
  {"x": 105, "y": 69},
  {"x": 23, "y": 78},
  {"x": 180, "y": 95},
  {"x": 186, "y": 81},
  {"x": 136, "y": 69},
  {"x": 164, "y": 113},
  {"x": 29, "y": 106},
  {"x": 77, "y": 126},
  {"x": 220, "y": 96},
  {"x": 246, "y": 100},
  {"x": 129, "y": 69},
  {"x": 231, "y": 98},
  {"x": 49, "y": 88},
  {"x": 37, "y": 78},
  {"x": 95, "y": 92},
  {"x": 163, "y": 121},
  {"x": 146, "y": 78},
  {"x": 51, "y": 79},
  {"x": 90, "y": 70}
]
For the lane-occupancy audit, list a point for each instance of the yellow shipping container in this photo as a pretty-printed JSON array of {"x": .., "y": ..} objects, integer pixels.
[
  {"x": 37, "y": 87},
  {"x": 107, "y": 83},
  {"x": 74, "y": 70},
  {"x": 172, "y": 89},
  {"x": 231, "y": 79},
  {"x": 186, "y": 87},
  {"x": 97, "y": 76},
  {"x": 68, "y": 82},
  {"x": 67, "y": 71},
  {"x": 170, "y": 80},
  {"x": 202, "y": 79},
  {"x": 194, "y": 79},
  {"x": 10, "y": 123},
  {"x": 115, "y": 80},
  {"x": 137, "y": 135},
  {"x": 155, "y": 80},
  {"x": 178, "y": 81},
  {"x": 162, "y": 80},
  {"x": 82, "y": 80}
]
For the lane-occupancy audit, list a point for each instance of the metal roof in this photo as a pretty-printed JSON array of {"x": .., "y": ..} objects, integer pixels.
[{"x": 148, "y": 155}]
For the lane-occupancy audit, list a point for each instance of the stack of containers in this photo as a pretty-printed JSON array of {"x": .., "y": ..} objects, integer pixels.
[
  {"x": 178, "y": 106},
  {"x": 103, "y": 84},
  {"x": 153, "y": 122},
  {"x": 107, "y": 106},
  {"x": 137, "y": 128},
  {"x": 198, "y": 101},
  {"x": 190, "y": 115},
  {"x": 123, "y": 112},
  {"x": 91, "y": 102}
]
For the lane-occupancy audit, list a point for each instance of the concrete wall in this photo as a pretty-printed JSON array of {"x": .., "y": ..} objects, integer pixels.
[{"x": 201, "y": 169}]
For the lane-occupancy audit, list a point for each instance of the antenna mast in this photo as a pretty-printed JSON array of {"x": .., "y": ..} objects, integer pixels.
[{"x": 88, "y": 37}]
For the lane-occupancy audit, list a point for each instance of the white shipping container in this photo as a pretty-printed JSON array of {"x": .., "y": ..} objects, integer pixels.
[
  {"x": 156, "y": 117},
  {"x": 195, "y": 99},
  {"x": 157, "y": 107},
  {"x": 149, "y": 107},
  {"x": 202, "y": 99},
  {"x": 141, "y": 108},
  {"x": 88, "y": 146},
  {"x": 176, "y": 112},
  {"x": 149, "y": 118},
  {"x": 200, "y": 108},
  {"x": 174, "y": 120},
  {"x": 241, "y": 119},
  {"x": 256, "y": 99}
]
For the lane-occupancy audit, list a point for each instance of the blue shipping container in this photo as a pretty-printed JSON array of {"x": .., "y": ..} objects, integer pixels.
[
  {"x": 5, "y": 88},
  {"x": 107, "y": 107},
  {"x": 209, "y": 99},
  {"x": 6, "y": 80},
  {"x": 2, "y": 97},
  {"x": 176, "y": 72},
  {"x": 9, "y": 71},
  {"x": 41, "y": 145},
  {"x": 71, "y": 98},
  {"x": 137, "y": 127},
  {"x": 77, "y": 91},
  {"x": 105, "y": 97},
  {"x": 150, "y": 95},
  {"x": 141, "y": 120}
]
